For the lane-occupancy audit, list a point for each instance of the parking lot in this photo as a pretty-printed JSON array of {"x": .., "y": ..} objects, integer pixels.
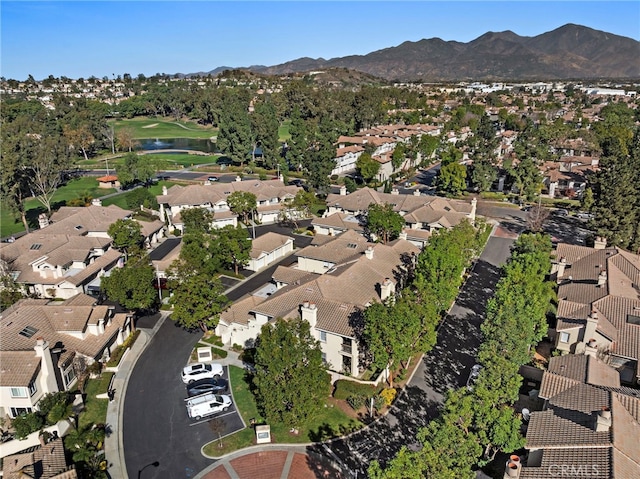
[{"x": 156, "y": 426}]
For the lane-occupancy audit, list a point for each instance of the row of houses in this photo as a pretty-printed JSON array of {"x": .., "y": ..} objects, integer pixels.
[{"x": 589, "y": 424}]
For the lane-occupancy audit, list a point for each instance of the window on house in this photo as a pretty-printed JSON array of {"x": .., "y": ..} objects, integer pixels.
[
  {"x": 32, "y": 388},
  {"x": 323, "y": 336},
  {"x": 324, "y": 358},
  {"x": 564, "y": 337},
  {"x": 69, "y": 375},
  {"x": 19, "y": 393},
  {"x": 17, "y": 411}
]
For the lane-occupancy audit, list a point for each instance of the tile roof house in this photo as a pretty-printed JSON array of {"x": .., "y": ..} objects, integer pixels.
[
  {"x": 423, "y": 214},
  {"x": 599, "y": 304},
  {"x": 271, "y": 196},
  {"x": 267, "y": 249},
  {"x": 43, "y": 344},
  {"x": 46, "y": 461},
  {"x": 331, "y": 286},
  {"x": 589, "y": 427},
  {"x": 71, "y": 252}
]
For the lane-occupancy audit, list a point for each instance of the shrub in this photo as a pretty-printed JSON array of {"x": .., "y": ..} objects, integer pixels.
[
  {"x": 117, "y": 353},
  {"x": 25, "y": 424},
  {"x": 346, "y": 388},
  {"x": 388, "y": 395},
  {"x": 356, "y": 401},
  {"x": 219, "y": 353},
  {"x": 379, "y": 403},
  {"x": 54, "y": 406}
]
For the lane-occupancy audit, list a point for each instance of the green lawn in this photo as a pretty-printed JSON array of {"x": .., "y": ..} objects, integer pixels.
[
  {"x": 283, "y": 131},
  {"x": 96, "y": 409},
  {"x": 164, "y": 128},
  {"x": 10, "y": 223},
  {"x": 329, "y": 422}
]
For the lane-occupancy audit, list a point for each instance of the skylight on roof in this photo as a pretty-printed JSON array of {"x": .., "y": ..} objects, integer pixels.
[
  {"x": 352, "y": 245},
  {"x": 28, "y": 331},
  {"x": 79, "y": 227},
  {"x": 36, "y": 246},
  {"x": 446, "y": 208},
  {"x": 633, "y": 319}
]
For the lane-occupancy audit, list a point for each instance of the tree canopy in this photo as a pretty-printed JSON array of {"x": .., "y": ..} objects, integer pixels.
[
  {"x": 383, "y": 222},
  {"x": 242, "y": 203},
  {"x": 287, "y": 355}
]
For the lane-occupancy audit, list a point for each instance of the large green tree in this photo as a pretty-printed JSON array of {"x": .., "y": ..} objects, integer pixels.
[
  {"x": 197, "y": 298},
  {"x": 264, "y": 128},
  {"x": 616, "y": 195},
  {"x": 452, "y": 178},
  {"x": 132, "y": 285},
  {"x": 234, "y": 135},
  {"x": 287, "y": 354},
  {"x": 233, "y": 246},
  {"x": 136, "y": 168},
  {"x": 197, "y": 219},
  {"x": 367, "y": 166},
  {"x": 242, "y": 203},
  {"x": 383, "y": 222},
  {"x": 126, "y": 235}
]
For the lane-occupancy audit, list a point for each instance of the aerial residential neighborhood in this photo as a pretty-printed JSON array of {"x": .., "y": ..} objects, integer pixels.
[{"x": 420, "y": 262}]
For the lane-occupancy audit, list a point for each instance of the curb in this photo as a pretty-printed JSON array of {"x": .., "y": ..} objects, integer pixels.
[{"x": 113, "y": 444}]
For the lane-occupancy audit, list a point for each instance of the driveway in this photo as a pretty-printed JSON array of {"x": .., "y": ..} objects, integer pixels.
[
  {"x": 445, "y": 367},
  {"x": 155, "y": 422}
]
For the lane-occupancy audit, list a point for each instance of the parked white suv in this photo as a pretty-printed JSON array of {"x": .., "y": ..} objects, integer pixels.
[
  {"x": 206, "y": 405},
  {"x": 196, "y": 371}
]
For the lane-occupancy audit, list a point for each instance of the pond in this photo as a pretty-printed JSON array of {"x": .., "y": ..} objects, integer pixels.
[{"x": 198, "y": 144}]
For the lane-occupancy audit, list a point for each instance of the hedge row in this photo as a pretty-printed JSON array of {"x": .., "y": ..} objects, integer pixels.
[{"x": 345, "y": 389}]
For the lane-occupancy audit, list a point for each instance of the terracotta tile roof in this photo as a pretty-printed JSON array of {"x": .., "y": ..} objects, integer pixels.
[
  {"x": 91, "y": 218},
  {"x": 198, "y": 195},
  {"x": 18, "y": 368},
  {"x": 595, "y": 460},
  {"x": 55, "y": 322},
  {"x": 292, "y": 276},
  {"x": 267, "y": 243},
  {"x": 339, "y": 221},
  {"x": 338, "y": 295},
  {"x": 44, "y": 462},
  {"x": 346, "y": 247}
]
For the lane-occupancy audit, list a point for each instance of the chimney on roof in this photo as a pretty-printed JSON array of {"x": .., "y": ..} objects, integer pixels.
[
  {"x": 513, "y": 467},
  {"x": 309, "y": 313},
  {"x": 369, "y": 252},
  {"x": 603, "y": 420},
  {"x": 591, "y": 349},
  {"x": 387, "y": 288},
  {"x": 43, "y": 220},
  {"x": 600, "y": 242},
  {"x": 416, "y": 192},
  {"x": 559, "y": 267},
  {"x": 602, "y": 278},
  {"x": 395, "y": 191},
  {"x": 43, "y": 352},
  {"x": 403, "y": 235},
  {"x": 164, "y": 190},
  {"x": 96, "y": 202},
  {"x": 238, "y": 178}
]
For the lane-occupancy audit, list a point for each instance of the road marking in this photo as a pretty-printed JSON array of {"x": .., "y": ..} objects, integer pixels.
[{"x": 213, "y": 416}]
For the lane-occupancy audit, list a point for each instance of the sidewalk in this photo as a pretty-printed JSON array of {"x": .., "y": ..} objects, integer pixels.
[{"x": 114, "y": 452}]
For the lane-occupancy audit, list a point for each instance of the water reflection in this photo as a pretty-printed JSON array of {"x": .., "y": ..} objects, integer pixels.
[{"x": 198, "y": 144}]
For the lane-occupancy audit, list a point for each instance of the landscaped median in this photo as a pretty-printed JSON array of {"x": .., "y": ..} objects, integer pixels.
[{"x": 332, "y": 421}]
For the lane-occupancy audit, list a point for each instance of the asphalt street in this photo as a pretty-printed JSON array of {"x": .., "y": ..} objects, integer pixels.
[
  {"x": 156, "y": 425},
  {"x": 445, "y": 367}
]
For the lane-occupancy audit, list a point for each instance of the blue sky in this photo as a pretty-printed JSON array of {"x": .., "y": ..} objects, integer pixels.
[{"x": 81, "y": 39}]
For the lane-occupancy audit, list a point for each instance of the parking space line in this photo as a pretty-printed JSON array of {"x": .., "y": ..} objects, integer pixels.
[{"x": 213, "y": 416}]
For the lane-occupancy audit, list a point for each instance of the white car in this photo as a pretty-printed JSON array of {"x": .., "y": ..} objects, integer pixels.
[
  {"x": 207, "y": 404},
  {"x": 196, "y": 371}
]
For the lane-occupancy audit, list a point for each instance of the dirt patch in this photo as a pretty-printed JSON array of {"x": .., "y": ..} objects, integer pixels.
[
  {"x": 151, "y": 126},
  {"x": 344, "y": 407}
]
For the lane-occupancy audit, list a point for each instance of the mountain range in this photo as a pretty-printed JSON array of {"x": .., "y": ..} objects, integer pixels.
[{"x": 570, "y": 52}]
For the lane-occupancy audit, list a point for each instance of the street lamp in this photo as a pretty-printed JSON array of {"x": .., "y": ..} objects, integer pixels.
[{"x": 154, "y": 464}]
